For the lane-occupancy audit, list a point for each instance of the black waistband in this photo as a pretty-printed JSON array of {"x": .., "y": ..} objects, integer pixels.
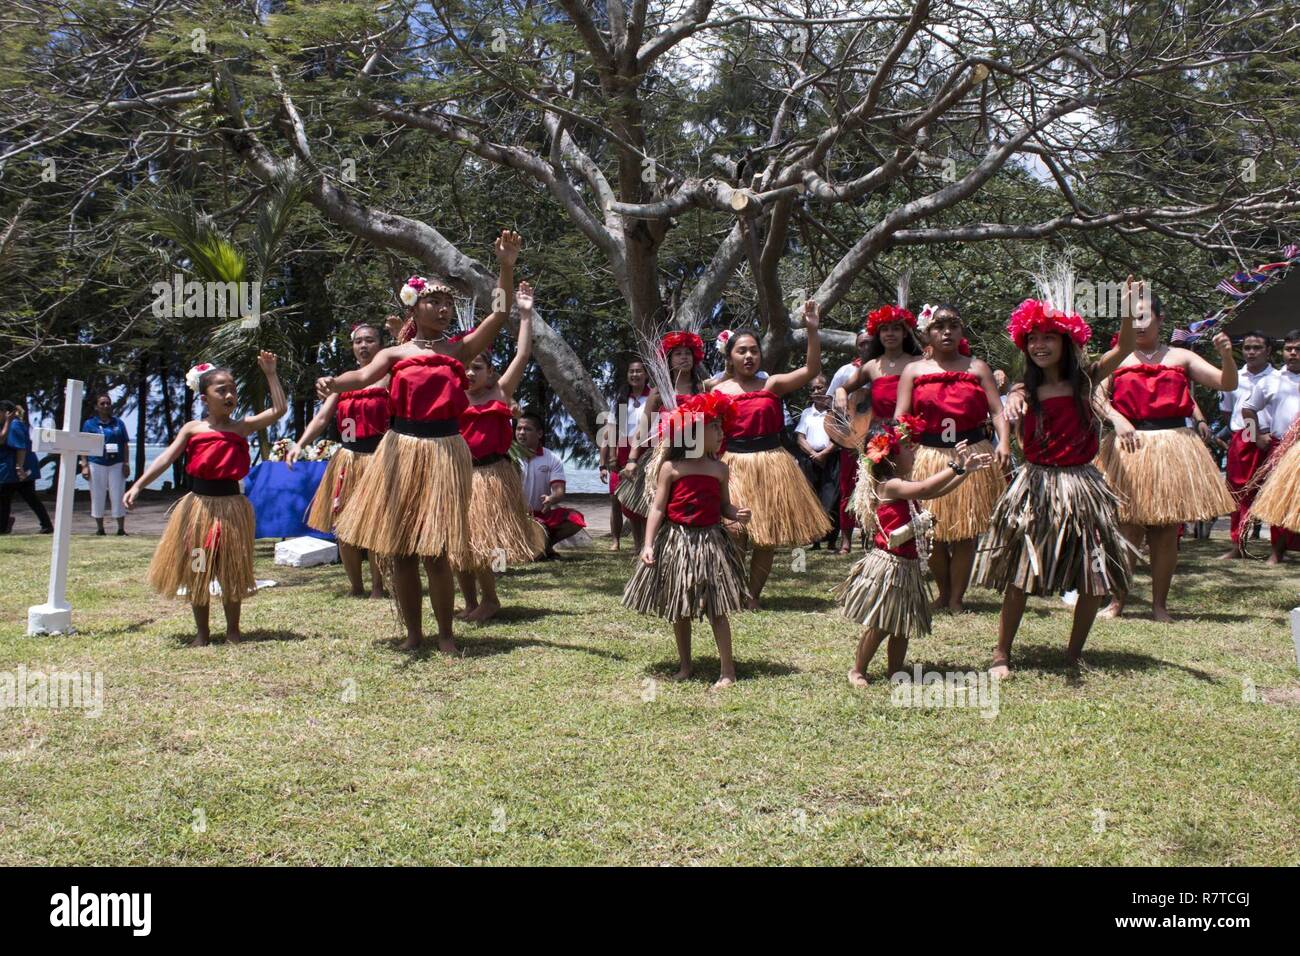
[
  {"x": 439, "y": 428},
  {"x": 222, "y": 488},
  {"x": 364, "y": 446},
  {"x": 971, "y": 435},
  {"x": 1158, "y": 424},
  {"x": 745, "y": 446},
  {"x": 489, "y": 460}
]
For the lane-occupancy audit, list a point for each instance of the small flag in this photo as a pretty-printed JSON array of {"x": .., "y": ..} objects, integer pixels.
[
  {"x": 1202, "y": 325},
  {"x": 1291, "y": 251},
  {"x": 1227, "y": 287},
  {"x": 1182, "y": 336}
]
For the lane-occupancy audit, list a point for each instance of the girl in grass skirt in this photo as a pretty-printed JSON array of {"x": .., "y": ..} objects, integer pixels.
[
  {"x": 1057, "y": 527},
  {"x": 1160, "y": 469},
  {"x": 412, "y": 504},
  {"x": 501, "y": 530},
  {"x": 690, "y": 568},
  {"x": 955, "y": 395},
  {"x": 209, "y": 533},
  {"x": 361, "y": 417},
  {"x": 886, "y": 591},
  {"x": 765, "y": 478}
]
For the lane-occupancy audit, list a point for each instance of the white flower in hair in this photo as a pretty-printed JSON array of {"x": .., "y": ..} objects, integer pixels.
[
  {"x": 721, "y": 341},
  {"x": 925, "y": 317},
  {"x": 409, "y": 295},
  {"x": 193, "y": 375}
]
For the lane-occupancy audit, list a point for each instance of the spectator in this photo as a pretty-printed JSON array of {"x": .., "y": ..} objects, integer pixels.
[
  {"x": 819, "y": 457},
  {"x": 15, "y": 456},
  {"x": 107, "y": 472}
]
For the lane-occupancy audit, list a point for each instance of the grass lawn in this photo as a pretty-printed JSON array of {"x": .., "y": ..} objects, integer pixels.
[{"x": 557, "y": 739}]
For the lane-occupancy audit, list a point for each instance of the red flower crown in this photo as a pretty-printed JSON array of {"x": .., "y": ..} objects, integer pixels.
[
  {"x": 1033, "y": 315},
  {"x": 886, "y": 444},
  {"x": 886, "y": 314},
  {"x": 676, "y": 340},
  {"x": 703, "y": 408}
]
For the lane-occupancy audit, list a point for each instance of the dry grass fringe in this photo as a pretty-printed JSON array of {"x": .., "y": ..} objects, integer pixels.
[
  {"x": 323, "y": 512},
  {"x": 1171, "y": 478},
  {"x": 186, "y": 562},
  {"x": 964, "y": 513},
  {"x": 698, "y": 573},
  {"x": 887, "y": 592},
  {"x": 498, "y": 518},
  {"x": 786, "y": 513}
]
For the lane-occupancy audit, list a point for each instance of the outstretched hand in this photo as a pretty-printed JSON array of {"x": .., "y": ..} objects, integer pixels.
[
  {"x": 811, "y": 315},
  {"x": 507, "y": 247},
  {"x": 267, "y": 362},
  {"x": 524, "y": 297}
]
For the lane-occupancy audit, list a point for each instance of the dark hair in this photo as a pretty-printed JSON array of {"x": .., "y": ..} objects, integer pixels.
[
  {"x": 1260, "y": 335},
  {"x": 1292, "y": 336},
  {"x": 535, "y": 419},
  {"x": 736, "y": 335},
  {"x": 206, "y": 378},
  {"x": 103, "y": 393},
  {"x": 1157, "y": 307},
  {"x": 624, "y": 391},
  {"x": 910, "y": 344},
  {"x": 946, "y": 307},
  {"x": 7, "y": 406},
  {"x": 1072, "y": 371},
  {"x": 365, "y": 325}
]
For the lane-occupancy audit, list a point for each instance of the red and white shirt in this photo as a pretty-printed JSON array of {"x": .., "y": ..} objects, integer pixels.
[{"x": 540, "y": 470}]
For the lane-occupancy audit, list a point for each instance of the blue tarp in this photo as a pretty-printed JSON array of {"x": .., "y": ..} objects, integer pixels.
[{"x": 281, "y": 496}]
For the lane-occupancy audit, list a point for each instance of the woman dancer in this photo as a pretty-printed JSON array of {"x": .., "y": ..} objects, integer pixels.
[
  {"x": 956, "y": 395},
  {"x": 362, "y": 418},
  {"x": 1057, "y": 527},
  {"x": 1161, "y": 471},
  {"x": 616, "y": 448},
  {"x": 690, "y": 568},
  {"x": 209, "y": 533},
  {"x": 765, "y": 478},
  {"x": 501, "y": 531},
  {"x": 412, "y": 504}
]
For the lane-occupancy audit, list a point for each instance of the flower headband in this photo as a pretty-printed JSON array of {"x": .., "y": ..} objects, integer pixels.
[
  {"x": 417, "y": 286},
  {"x": 679, "y": 340},
  {"x": 704, "y": 408},
  {"x": 193, "y": 375},
  {"x": 889, "y": 313},
  {"x": 1034, "y": 315},
  {"x": 887, "y": 443}
]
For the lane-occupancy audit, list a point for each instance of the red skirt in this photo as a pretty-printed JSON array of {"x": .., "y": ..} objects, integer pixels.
[
  {"x": 552, "y": 519},
  {"x": 1244, "y": 459},
  {"x": 623, "y": 451},
  {"x": 848, "y": 481}
]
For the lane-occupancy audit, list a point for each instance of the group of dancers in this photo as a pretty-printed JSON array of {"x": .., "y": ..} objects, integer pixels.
[{"x": 426, "y": 475}]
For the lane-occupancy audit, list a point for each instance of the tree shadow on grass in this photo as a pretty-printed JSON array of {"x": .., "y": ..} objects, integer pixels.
[
  {"x": 489, "y": 646},
  {"x": 798, "y": 602},
  {"x": 1050, "y": 659},
  {"x": 255, "y": 636},
  {"x": 705, "y": 667}
]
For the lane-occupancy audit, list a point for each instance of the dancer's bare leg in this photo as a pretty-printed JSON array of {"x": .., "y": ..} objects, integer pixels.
[
  {"x": 1013, "y": 609},
  {"x": 868, "y": 644},
  {"x": 376, "y": 579},
  {"x": 1085, "y": 612},
  {"x": 490, "y": 604},
  {"x": 1163, "y": 543},
  {"x": 442, "y": 595},
  {"x": 1134, "y": 535},
  {"x": 406, "y": 587},
  {"x": 682, "y": 634},
  {"x": 350, "y": 558},
  {"x": 760, "y": 566},
  {"x": 939, "y": 563},
  {"x": 469, "y": 591},
  {"x": 232, "y": 609},
  {"x": 202, "y": 635},
  {"x": 722, "y": 637},
  {"x": 615, "y": 523}
]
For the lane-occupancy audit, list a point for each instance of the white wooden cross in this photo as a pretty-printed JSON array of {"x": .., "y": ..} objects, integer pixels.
[{"x": 55, "y": 615}]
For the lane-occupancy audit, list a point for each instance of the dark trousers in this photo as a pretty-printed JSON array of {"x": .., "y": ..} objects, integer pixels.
[
  {"x": 824, "y": 477},
  {"x": 27, "y": 491}
]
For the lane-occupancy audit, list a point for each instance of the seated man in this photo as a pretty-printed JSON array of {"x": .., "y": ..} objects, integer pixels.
[{"x": 544, "y": 485}]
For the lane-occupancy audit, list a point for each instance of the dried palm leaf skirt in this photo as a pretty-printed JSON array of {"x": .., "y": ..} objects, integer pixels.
[
  {"x": 698, "y": 573},
  {"x": 631, "y": 492},
  {"x": 412, "y": 500},
  {"x": 1171, "y": 478},
  {"x": 340, "y": 480},
  {"x": 887, "y": 592},
  {"x": 1278, "y": 501},
  {"x": 964, "y": 513},
  {"x": 498, "y": 521},
  {"x": 786, "y": 512},
  {"x": 1056, "y": 530},
  {"x": 208, "y": 538}
]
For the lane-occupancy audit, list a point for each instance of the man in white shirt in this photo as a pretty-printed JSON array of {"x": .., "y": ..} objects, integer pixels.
[
  {"x": 1271, "y": 410},
  {"x": 544, "y": 485},
  {"x": 1245, "y": 455},
  {"x": 842, "y": 374},
  {"x": 819, "y": 456}
]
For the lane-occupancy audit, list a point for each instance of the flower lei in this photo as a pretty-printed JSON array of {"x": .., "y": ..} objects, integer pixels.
[
  {"x": 1034, "y": 315},
  {"x": 886, "y": 314},
  {"x": 676, "y": 340}
]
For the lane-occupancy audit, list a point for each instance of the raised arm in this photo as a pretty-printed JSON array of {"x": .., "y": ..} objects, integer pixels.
[
  {"x": 160, "y": 464},
  {"x": 940, "y": 483},
  {"x": 279, "y": 404},
  {"x": 787, "y": 382},
  {"x": 507, "y": 252},
  {"x": 1127, "y": 335},
  {"x": 319, "y": 422},
  {"x": 514, "y": 373},
  {"x": 1203, "y": 373}
]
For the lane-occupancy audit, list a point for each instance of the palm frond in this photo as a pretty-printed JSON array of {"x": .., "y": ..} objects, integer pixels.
[{"x": 274, "y": 216}]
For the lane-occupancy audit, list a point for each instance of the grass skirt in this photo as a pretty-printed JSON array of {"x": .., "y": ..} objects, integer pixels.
[
  {"x": 498, "y": 520},
  {"x": 887, "y": 592},
  {"x": 698, "y": 573},
  {"x": 340, "y": 480},
  {"x": 786, "y": 512},
  {"x": 412, "y": 500},
  {"x": 964, "y": 513},
  {"x": 631, "y": 492},
  {"x": 1171, "y": 478},
  {"x": 1055, "y": 530},
  {"x": 1278, "y": 501},
  {"x": 207, "y": 538}
]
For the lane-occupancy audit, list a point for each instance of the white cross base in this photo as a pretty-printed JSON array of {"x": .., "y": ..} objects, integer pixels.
[
  {"x": 1295, "y": 632},
  {"x": 55, "y": 615}
]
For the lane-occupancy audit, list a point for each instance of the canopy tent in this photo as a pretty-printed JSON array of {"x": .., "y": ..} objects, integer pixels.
[{"x": 1273, "y": 308}]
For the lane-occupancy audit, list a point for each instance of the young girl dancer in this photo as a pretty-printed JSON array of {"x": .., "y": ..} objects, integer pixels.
[
  {"x": 1057, "y": 527},
  {"x": 209, "y": 533},
  {"x": 765, "y": 479},
  {"x": 1160, "y": 469},
  {"x": 412, "y": 504},
  {"x": 500, "y": 528},
  {"x": 362, "y": 418},
  {"x": 885, "y": 591},
  {"x": 955, "y": 395},
  {"x": 690, "y": 568}
]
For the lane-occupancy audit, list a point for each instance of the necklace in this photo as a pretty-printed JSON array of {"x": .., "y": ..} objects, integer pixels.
[
  {"x": 429, "y": 343},
  {"x": 1147, "y": 357}
]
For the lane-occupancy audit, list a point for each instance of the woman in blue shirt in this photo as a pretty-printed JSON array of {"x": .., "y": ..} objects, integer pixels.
[
  {"x": 107, "y": 472},
  {"x": 15, "y": 456}
]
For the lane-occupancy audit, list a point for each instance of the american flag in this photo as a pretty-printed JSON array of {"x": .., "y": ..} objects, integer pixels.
[
  {"x": 1226, "y": 286},
  {"x": 1291, "y": 251},
  {"x": 1183, "y": 337}
]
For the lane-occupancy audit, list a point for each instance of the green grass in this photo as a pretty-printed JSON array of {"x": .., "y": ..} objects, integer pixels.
[{"x": 537, "y": 745}]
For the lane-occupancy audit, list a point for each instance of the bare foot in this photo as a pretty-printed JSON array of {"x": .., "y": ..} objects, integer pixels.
[
  {"x": 200, "y": 640},
  {"x": 726, "y": 680},
  {"x": 1000, "y": 670},
  {"x": 1273, "y": 559},
  {"x": 1162, "y": 615},
  {"x": 957, "y": 608},
  {"x": 447, "y": 646},
  {"x": 615, "y": 545},
  {"x": 1232, "y": 554},
  {"x": 940, "y": 603},
  {"x": 483, "y": 612},
  {"x": 751, "y": 604},
  {"x": 233, "y": 637},
  {"x": 1112, "y": 610},
  {"x": 681, "y": 675},
  {"x": 857, "y": 679},
  {"x": 411, "y": 643},
  {"x": 467, "y": 613},
  {"x": 357, "y": 592}
]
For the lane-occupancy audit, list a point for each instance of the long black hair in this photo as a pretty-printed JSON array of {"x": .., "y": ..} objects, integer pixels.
[
  {"x": 910, "y": 344},
  {"x": 736, "y": 336},
  {"x": 1072, "y": 371},
  {"x": 624, "y": 391}
]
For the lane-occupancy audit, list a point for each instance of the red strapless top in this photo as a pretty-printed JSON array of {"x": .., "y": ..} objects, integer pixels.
[
  {"x": 891, "y": 515},
  {"x": 758, "y": 413},
  {"x": 884, "y": 397},
  {"x": 1150, "y": 391},
  {"x": 217, "y": 456},
  {"x": 695, "y": 500},
  {"x": 428, "y": 388},
  {"x": 368, "y": 409},
  {"x": 487, "y": 428},
  {"x": 1063, "y": 438},
  {"x": 941, "y": 398}
]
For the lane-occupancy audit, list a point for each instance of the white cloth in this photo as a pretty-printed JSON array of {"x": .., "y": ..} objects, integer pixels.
[
  {"x": 107, "y": 480},
  {"x": 840, "y": 377},
  {"x": 1276, "y": 400},
  {"x": 812, "y": 425},
  {"x": 1232, "y": 401},
  {"x": 630, "y": 414},
  {"x": 539, "y": 472}
]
